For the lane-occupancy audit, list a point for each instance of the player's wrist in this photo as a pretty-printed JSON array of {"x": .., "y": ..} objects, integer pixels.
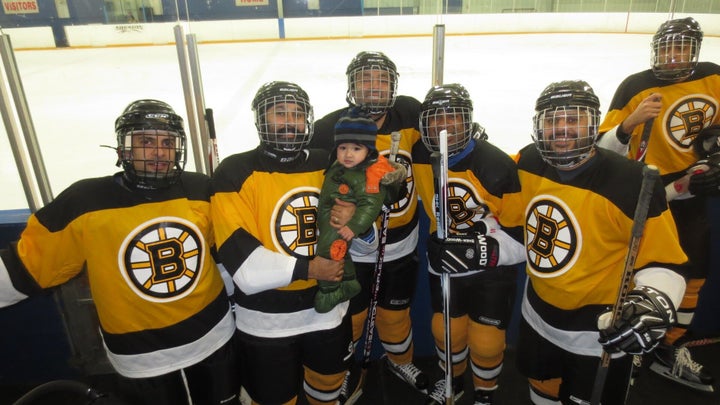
[{"x": 622, "y": 135}]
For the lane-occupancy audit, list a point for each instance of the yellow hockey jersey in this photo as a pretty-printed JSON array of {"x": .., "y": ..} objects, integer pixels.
[
  {"x": 478, "y": 179},
  {"x": 265, "y": 219},
  {"x": 577, "y": 232},
  {"x": 160, "y": 298},
  {"x": 687, "y": 107}
]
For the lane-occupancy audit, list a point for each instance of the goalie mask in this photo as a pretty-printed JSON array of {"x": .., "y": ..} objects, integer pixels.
[
  {"x": 372, "y": 83},
  {"x": 284, "y": 118},
  {"x": 565, "y": 126},
  {"x": 676, "y": 49},
  {"x": 151, "y": 144},
  {"x": 446, "y": 107}
]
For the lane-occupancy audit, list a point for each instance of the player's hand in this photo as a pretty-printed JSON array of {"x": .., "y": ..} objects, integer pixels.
[
  {"x": 648, "y": 109},
  {"x": 646, "y": 315},
  {"x": 461, "y": 253},
  {"x": 341, "y": 213},
  {"x": 705, "y": 177},
  {"x": 321, "y": 268}
]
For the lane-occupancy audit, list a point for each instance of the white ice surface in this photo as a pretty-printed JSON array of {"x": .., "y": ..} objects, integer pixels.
[{"x": 75, "y": 95}]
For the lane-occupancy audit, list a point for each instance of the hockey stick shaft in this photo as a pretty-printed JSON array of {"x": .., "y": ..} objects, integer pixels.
[
  {"x": 440, "y": 174},
  {"x": 213, "y": 154},
  {"x": 650, "y": 177},
  {"x": 644, "y": 140},
  {"x": 375, "y": 289}
]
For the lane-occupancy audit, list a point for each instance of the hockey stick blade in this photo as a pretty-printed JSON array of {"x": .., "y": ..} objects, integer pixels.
[{"x": 650, "y": 176}]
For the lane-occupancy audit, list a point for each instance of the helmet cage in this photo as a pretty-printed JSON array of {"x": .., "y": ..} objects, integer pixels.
[
  {"x": 440, "y": 111},
  {"x": 288, "y": 137},
  {"x": 675, "y": 56},
  {"x": 291, "y": 128},
  {"x": 435, "y": 120},
  {"x": 565, "y": 135},
  {"x": 151, "y": 144},
  {"x": 675, "y": 49},
  {"x": 372, "y": 83}
]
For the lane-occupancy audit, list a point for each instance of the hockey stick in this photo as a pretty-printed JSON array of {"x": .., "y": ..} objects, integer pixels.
[
  {"x": 644, "y": 140},
  {"x": 650, "y": 176},
  {"x": 440, "y": 174},
  {"x": 375, "y": 289},
  {"x": 213, "y": 155}
]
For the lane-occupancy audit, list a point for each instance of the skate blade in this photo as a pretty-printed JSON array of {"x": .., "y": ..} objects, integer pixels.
[{"x": 697, "y": 386}]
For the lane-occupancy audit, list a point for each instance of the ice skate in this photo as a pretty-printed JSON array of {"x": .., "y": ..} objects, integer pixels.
[
  {"x": 410, "y": 374},
  {"x": 676, "y": 364}
]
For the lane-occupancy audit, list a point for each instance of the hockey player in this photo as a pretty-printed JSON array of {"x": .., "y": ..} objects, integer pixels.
[
  {"x": 372, "y": 86},
  {"x": 577, "y": 205},
  {"x": 481, "y": 301},
  {"x": 654, "y": 116},
  {"x": 145, "y": 236},
  {"x": 265, "y": 213}
]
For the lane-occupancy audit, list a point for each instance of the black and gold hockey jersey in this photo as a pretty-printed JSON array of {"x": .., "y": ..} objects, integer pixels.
[
  {"x": 687, "y": 107},
  {"x": 577, "y": 233},
  {"x": 479, "y": 177},
  {"x": 160, "y": 298},
  {"x": 265, "y": 223},
  {"x": 403, "y": 224}
]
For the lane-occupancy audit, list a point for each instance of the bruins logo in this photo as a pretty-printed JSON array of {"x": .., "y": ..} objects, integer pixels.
[
  {"x": 162, "y": 259},
  {"x": 295, "y": 222},
  {"x": 552, "y": 235},
  {"x": 464, "y": 208},
  {"x": 400, "y": 207},
  {"x": 687, "y": 117}
]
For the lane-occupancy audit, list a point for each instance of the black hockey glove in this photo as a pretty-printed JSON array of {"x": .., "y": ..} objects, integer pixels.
[
  {"x": 646, "y": 315},
  {"x": 705, "y": 177},
  {"x": 461, "y": 253}
]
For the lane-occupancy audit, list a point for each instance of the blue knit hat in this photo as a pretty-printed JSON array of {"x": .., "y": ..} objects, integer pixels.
[{"x": 360, "y": 130}]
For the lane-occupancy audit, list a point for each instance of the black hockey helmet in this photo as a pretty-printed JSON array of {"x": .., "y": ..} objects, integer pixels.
[
  {"x": 374, "y": 92},
  {"x": 151, "y": 143},
  {"x": 439, "y": 111},
  {"x": 565, "y": 126},
  {"x": 291, "y": 135},
  {"x": 676, "y": 49}
]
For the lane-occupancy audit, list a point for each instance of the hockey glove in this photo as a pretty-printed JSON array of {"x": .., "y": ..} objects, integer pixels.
[
  {"x": 705, "y": 179},
  {"x": 461, "y": 253},
  {"x": 707, "y": 142},
  {"x": 396, "y": 184},
  {"x": 646, "y": 315}
]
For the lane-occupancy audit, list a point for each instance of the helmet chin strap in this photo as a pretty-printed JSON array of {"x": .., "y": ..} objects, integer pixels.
[{"x": 280, "y": 156}]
